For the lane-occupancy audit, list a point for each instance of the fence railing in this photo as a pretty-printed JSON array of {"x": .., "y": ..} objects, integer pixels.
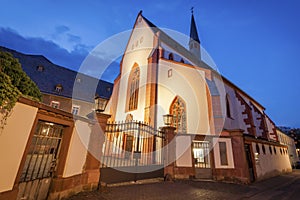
[{"x": 131, "y": 143}]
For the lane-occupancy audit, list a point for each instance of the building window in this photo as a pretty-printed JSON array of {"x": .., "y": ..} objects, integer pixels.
[
  {"x": 275, "y": 150},
  {"x": 133, "y": 88},
  {"x": 58, "y": 88},
  {"x": 40, "y": 68},
  {"x": 280, "y": 151},
  {"x": 201, "y": 154},
  {"x": 54, "y": 104},
  {"x": 129, "y": 118},
  {"x": 181, "y": 60},
  {"x": 178, "y": 110},
  {"x": 75, "y": 110},
  {"x": 264, "y": 149},
  {"x": 171, "y": 57},
  {"x": 223, "y": 153},
  {"x": 270, "y": 148},
  {"x": 228, "y": 111},
  {"x": 257, "y": 148},
  {"x": 170, "y": 73}
]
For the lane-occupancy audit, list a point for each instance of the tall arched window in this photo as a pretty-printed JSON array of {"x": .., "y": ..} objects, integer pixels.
[
  {"x": 133, "y": 88},
  {"x": 228, "y": 111},
  {"x": 178, "y": 110}
]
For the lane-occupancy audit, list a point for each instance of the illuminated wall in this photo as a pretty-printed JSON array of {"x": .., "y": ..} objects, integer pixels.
[
  {"x": 13, "y": 141},
  {"x": 138, "y": 49}
]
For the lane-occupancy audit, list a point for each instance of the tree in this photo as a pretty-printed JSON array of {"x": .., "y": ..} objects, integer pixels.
[
  {"x": 13, "y": 83},
  {"x": 11, "y": 67}
]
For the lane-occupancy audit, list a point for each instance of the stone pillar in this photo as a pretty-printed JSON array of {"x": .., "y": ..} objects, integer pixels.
[
  {"x": 97, "y": 138},
  {"x": 239, "y": 156},
  {"x": 169, "y": 152}
]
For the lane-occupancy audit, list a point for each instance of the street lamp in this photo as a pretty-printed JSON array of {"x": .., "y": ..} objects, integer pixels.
[
  {"x": 100, "y": 104},
  {"x": 168, "y": 119}
]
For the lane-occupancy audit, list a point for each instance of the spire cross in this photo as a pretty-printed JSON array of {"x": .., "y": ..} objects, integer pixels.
[{"x": 192, "y": 9}]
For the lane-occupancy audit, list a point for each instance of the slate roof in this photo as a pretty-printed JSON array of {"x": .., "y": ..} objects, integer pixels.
[
  {"x": 51, "y": 75},
  {"x": 193, "y": 31}
]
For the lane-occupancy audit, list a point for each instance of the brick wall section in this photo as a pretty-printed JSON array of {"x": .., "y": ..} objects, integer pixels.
[
  {"x": 151, "y": 88},
  {"x": 262, "y": 124},
  {"x": 240, "y": 173},
  {"x": 217, "y": 113},
  {"x": 274, "y": 131},
  {"x": 248, "y": 111}
]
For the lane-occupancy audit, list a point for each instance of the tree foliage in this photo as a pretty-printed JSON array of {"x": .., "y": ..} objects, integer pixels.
[
  {"x": 19, "y": 79},
  {"x": 13, "y": 82}
]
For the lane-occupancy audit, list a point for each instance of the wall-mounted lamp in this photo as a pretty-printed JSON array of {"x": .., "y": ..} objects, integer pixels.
[
  {"x": 100, "y": 104},
  {"x": 168, "y": 119}
]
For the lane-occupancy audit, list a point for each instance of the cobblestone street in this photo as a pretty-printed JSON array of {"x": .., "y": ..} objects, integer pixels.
[{"x": 282, "y": 187}]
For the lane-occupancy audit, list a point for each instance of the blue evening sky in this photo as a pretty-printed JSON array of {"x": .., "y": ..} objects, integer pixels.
[{"x": 255, "y": 43}]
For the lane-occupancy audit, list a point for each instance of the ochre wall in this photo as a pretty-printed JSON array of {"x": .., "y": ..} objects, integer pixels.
[
  {"x": 268, "y": 164},
  {"x": 13, "y": 140},
  {"x": 78, "y": 149}
]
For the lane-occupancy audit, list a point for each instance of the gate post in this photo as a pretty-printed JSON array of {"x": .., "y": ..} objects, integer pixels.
[
  {"x": 169, "y": 152},
  {"x": 97, "y": 138}
]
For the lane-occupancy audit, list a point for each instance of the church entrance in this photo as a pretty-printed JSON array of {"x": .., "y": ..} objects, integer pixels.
[
  {"x": 202, "y": 159},
  {"x": 132, "y": 151}
]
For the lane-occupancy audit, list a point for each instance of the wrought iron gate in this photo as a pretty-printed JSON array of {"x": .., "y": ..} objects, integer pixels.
[
  {"x": 40, "y": 161},
  {"x": 132, "y": 151},
  {"x": 201, "y": 152}
]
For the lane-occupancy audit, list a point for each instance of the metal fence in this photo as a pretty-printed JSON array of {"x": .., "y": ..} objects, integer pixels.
[
  {"x": 131, "y": 143},
  {"x": 201, "y": 154}
]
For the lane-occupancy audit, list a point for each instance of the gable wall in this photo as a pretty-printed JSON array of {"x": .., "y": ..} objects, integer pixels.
[{"x": 139, "y": 47}]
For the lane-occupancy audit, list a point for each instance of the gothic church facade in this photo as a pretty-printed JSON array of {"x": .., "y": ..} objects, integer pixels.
[{"x": 221, "y": 131}]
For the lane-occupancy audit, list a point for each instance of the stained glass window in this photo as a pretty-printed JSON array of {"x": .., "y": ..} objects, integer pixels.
[
  {"x": 178, "y": 110},
  {"x": 133, "y": 87}
]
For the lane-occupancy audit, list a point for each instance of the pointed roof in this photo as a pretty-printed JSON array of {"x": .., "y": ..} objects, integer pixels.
[{"x": 193, "y": 31}]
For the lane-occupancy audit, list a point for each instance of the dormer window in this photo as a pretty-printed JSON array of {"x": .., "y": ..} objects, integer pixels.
[
  {"x": 171, "y": 56},
  {"x": 58, "y": 88},
  {"x": 40, "y": 68},
  {"x": 54, "y": 104}
]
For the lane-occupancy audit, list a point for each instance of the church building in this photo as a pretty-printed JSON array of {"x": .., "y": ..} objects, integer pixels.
[{"x": 221, "y": 132}]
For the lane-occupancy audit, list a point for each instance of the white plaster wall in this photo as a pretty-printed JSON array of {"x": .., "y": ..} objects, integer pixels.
[
  {"x": 237, "y": 120},
  {"x": 78, "y": 149},
  {"x": 268, "y": 164},
  {"x": 216, "y": 150},
  {"x": 270, "y": 127},
  {"x": 286, "y": 140},
  {"x": 138, "y": 50},
  {"x": 13, "y": 142},
  {"x": 183, "y": 151},
  {"x": 190, "y": 85}
]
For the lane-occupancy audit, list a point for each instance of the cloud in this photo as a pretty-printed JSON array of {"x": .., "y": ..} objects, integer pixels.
[
  {"x": 39, "y": 46},
  {"x": 34, "y": 45},
  {"x": 61, "y": 29},
  {"x": 73, "y": 38}
]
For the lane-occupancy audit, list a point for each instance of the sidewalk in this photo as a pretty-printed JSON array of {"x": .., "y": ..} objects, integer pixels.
[{"x": 281, "y": 187}]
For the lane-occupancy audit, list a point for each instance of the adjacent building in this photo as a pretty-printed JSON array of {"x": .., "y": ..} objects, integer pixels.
[
  {"x": 57, "y": 84},
  {"x": 291, "y": 147}
]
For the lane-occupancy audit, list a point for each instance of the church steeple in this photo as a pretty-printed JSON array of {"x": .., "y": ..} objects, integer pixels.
[{"x": 194, "y": 43}]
